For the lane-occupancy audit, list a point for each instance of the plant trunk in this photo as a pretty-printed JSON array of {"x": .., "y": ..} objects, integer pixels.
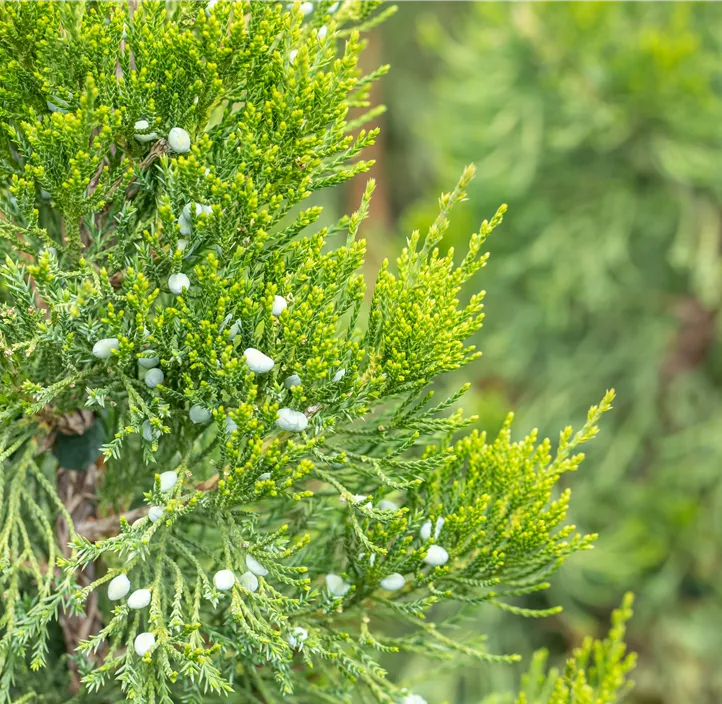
[{"x": 77, "y": 490}]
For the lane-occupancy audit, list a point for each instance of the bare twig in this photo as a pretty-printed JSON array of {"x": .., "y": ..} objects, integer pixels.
[
  {"x": 72, "y": 487},
  {"x": 103, "y": 527},
  {"x": 159, "y": 148}
]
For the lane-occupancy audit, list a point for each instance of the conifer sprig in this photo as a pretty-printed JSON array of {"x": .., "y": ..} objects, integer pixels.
[{"x": 595, "y": 674}]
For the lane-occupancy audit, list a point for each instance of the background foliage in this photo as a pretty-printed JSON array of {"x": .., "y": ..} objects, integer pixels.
[{"x": 599, "y": 124}]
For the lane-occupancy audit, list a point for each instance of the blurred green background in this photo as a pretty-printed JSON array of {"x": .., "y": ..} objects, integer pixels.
[{"x": 600, "y": 124}]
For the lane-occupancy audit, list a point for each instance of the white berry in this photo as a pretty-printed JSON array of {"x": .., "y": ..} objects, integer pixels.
[
  {"x": 425, "y": 531},
  {"x": 154, "y": 377},
  {"x": 393, "y": 582},
  {"x": 340, "y": 374},
  {"x": 336, "y": 585},
  {"x": 436, "y": 556},
  {"x": 143, "y": 643},
  {"x": 184, "y": 220},
  {"x": 179, "y": 140},
  {"x": 141, "y": 126},
  {"x": 414, "y": 699},
  {"x": 293, "y": 421},
  {"x": 198, "y": 414},
  {"x": 224, "y": 580},
  {"x": 292, "y": 56},
  {"x": 168, "y": 480},
  {"x": 139, "y": 599},
  {"x": 249, "y": 581},
  {"x": 231, "y": 425},
  {"x": 322, "y": 32},
  {"x": 291, "y": 381},
  {"x": 155, "y": 513},
  {"x": 118, "y": 587},
  {"x": 257, "y": 361},
  {"x": 372, "y": 558},
  {"x": 387, "y": 505},
  {"x": 333, "y": 8},
  {"x": 297, "y": 637},
  {"x": 103, "y": 349},
  {"x": 148, "y": 362},
  {"x": 279, "y": 305},
  {"x": 264, "y": 476},
  {"x": 147, "y": 430},
  {"x": 255, "y": 566},
  {"x": 177, "y": 283},
  {"x": 307, "y": 8}
]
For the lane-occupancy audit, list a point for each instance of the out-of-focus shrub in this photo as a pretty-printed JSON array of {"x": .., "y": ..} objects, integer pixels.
[{"x": 601, "y": 125}]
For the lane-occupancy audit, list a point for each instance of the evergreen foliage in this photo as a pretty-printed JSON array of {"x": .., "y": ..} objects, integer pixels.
[
  {"x": 165, "y": 305},
  {"x": 593, "y": 675},
  {"x": 599, "y": 123}
]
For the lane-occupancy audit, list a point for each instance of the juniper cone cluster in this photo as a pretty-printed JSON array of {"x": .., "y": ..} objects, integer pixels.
[{"x": 220, "y": 474}]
